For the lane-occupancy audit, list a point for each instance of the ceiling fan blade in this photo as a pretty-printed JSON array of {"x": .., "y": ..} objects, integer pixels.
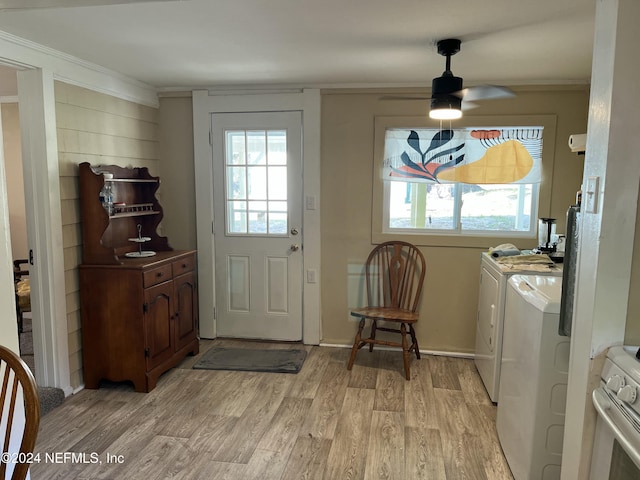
[
  {"x": 469, "y": 105},
  {"x": 486, "y": 92},
  {"x": 13, "y": 5},
  {"x": 405, "y": 97}
]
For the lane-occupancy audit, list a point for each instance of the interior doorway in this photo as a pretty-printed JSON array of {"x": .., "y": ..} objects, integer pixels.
[{"x": 16, "y": 201}]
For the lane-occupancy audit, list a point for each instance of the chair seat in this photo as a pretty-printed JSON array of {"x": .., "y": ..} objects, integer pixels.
[{"x": 386, "y": 313}]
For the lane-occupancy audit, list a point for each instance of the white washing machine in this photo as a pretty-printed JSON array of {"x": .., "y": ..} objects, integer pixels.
[
  {"x": 490, "y": 319},
  {"x": 533, "y": 381}
]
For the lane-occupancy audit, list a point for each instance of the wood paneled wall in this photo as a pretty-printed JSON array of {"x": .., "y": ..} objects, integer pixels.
[{"x": 100, "y": 129}]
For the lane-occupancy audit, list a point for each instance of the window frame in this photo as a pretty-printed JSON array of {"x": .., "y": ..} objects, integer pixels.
[{"x": 480, "y": 239}]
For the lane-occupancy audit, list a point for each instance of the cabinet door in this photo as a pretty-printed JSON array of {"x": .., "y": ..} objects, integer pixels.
[
  {"x": 158, "y": 324},
  {"x": 186, "y": 304}
]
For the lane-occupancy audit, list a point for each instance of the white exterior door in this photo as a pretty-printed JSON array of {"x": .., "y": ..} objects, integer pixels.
[{"x": 257, "y": 197}]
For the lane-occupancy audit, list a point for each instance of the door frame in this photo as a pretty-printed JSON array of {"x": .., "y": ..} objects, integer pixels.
[
  {"x": 306, "y": 101},
  {"x": 36, "y": 101}
]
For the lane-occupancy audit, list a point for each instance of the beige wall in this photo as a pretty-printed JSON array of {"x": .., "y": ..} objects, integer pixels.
[
  {"x": 177, "y": 171},
  {"x": 448, "y": 317},
  {"x": 448, "y": 313},
  {"x": 100, "y": 129},
  {"x": 632, "y": 329},
  {"x": 15, "y": 182}
]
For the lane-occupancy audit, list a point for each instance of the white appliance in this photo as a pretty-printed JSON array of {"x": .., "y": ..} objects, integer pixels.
[
  {"x": 616, "y": 449},
  {"x": 533, "y": 382},
  {"x": 490, "y": 319}
]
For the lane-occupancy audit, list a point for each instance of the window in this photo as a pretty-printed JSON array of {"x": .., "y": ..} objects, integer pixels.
[
  {"x": 460, "y": 208},
  {"x": 418, "y": 192}
]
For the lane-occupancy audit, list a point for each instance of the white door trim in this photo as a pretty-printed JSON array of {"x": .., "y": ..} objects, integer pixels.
[
  {"x": 36, "y": 100},
  {"x": 308, "y": 102}
]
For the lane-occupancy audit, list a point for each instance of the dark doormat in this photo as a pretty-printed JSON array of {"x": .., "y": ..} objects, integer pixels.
[{"x": 277, "y": 361}]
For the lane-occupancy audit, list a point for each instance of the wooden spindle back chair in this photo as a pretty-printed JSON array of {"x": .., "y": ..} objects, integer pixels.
[
  {"x": 16, "y": 379},
  {"x": 394, "y": 275}
]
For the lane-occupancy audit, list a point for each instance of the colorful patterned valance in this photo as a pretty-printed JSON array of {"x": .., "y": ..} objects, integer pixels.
[{"x": 464, "y": 155}]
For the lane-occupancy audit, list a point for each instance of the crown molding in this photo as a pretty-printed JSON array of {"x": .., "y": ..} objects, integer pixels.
[{"x": 22, "y": 54}]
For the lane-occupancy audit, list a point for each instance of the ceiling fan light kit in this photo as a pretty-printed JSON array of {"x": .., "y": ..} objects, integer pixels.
[{"x": 447, "y": 92}]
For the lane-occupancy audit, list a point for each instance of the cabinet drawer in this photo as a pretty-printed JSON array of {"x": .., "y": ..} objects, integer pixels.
[
  {"x": 157, "y": 275},
  {"x": 183, "y": 265}
]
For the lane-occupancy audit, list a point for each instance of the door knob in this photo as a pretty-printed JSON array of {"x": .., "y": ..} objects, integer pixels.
[
  {"x": 294, "y": 231},
  {"x": 295, "y": 247}
]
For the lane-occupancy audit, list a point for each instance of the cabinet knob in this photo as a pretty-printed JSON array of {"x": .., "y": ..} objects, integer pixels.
[{"x": 159, "y": 274}]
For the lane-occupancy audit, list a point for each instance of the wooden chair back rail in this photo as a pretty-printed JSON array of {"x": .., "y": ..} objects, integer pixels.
[
  {"x": 395, "y": 273},
  {"x": 16, "y": 377},
  {"x": 401, "y": 282}
]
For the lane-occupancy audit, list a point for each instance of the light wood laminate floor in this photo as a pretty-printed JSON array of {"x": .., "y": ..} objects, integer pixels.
[{"x": 325, "y": 423}]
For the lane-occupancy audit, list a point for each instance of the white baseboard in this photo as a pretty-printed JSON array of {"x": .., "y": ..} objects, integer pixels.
[{"x": 423, "y": 352}]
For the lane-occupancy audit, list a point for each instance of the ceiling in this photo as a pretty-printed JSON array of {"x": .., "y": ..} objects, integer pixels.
[{"x": 186, "y": 44}]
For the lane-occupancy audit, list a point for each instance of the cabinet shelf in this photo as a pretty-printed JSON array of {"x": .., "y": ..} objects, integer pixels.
[
  {"x": 133, "y": 180},
  {"x": 133, "y": 214},
  {"x": 105, "y": 237}
]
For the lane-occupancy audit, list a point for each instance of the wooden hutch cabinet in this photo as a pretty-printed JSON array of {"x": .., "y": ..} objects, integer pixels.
[{"x": 139, "y": 302}]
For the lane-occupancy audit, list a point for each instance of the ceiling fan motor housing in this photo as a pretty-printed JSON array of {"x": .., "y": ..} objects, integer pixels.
[{"x": 445, "y": 92}]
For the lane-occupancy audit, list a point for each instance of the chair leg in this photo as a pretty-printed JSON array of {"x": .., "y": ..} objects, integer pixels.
[
  {"x": 405, "y": 351},
  {"x": 373, "y": 333},
  {"x": 356, "y": 345},
  {"x": 415, "y": 341}
]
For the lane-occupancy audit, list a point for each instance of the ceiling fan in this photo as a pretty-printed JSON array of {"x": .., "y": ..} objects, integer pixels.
[
  {"x": 447, "y": 93},
  {"x": 14, "y": 5}
]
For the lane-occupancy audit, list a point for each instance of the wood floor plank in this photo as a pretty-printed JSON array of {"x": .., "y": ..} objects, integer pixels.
[
  {"x": 390, "y": 391},
  {"x": 325, "y": 408},
  {"x": 162, "y": 457},
  {"x": 78, "y": 425},
  {"x": 423, "y": 454},
  {"x": 444, "y": 372},
  {"x": 230, "y": 393},
  {"x": 285, "y": 426},
  {"x": 419, "y": 404},
  {"x": 241, "y": 442},
  {"x": 208, "y": 437},
  {"x": 364, "y": 373},
  {"x": 348, "y": 452},
  {"x": 265, "y": 464},
  {"x": 203, "y": 468},
  {"x": 307, "y": 381},
  {"x": 471, "y": 384},
  {"x": 308, "y": 459},
  {"x": 128, "y": 446},
  {"x": 385, "y": 455}
]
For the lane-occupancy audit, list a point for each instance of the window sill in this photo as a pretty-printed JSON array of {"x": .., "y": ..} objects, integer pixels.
[{"x": 462, "y": 241}]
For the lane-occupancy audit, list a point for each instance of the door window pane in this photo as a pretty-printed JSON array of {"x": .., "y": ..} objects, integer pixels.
[
  {"x": 235, "y": 152},
  {"x": 236, "y": 183},
  {"x": 277, "y": 147},
  {"x": 256, "y": 182},
  {"x": 237, "y": 217}
]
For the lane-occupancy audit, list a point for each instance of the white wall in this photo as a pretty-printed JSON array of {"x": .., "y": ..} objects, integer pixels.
[
  {"x": 8, "y": 325},
  {"x": 15, "y": 181}
]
